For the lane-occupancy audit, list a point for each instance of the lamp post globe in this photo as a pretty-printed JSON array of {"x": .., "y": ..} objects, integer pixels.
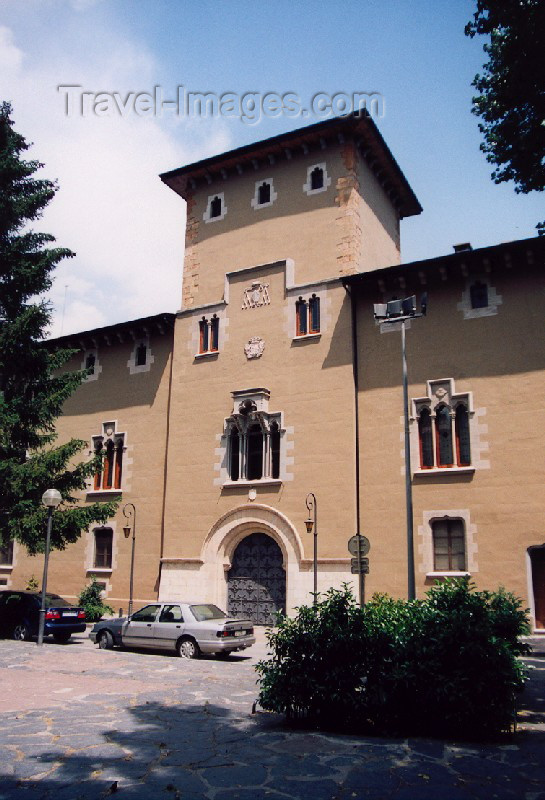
[{"x": 50, "y": 499}]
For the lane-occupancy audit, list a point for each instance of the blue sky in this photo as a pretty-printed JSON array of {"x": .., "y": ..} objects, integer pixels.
[{"x": 127, "y": 228}]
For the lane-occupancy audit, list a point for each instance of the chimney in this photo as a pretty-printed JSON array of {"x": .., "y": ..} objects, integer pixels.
[{"x": 461, "y": 248}]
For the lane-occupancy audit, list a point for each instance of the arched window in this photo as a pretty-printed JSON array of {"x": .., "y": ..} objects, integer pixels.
[
  {"x": 463, "y": 445},
  {"x": 234, "y": 455},
  {"x": 141, "y": 354},
  {"x": 203, "y": 335},
  {"x": 316, "y": 178},
  {"x": 214, "y": 333},
  {"x": 449, "y": 552},
  {"x": 254, "y": 470},
  {"x": 98, "y": 473},
  {"x": 426, "y": 439},
  {"x": 215, "y": 207},
  {"x": 103, "y": 548},
  {"x": 109, "y": 448},
  {"x": 443, "y": 431},
  {"x": 275, "y": 450},
  {"x": 314, "y": 314},
  {"x": 301, "y": 317},
  {"x": 264, "y": 194}
]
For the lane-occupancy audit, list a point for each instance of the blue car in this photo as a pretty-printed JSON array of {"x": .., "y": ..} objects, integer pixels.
[{"x": 20, "y": 616}]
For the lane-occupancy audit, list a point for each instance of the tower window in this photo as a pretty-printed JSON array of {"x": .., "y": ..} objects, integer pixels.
[
  {"x": 316, "y": 179},
  {"x": 215, "y": 207},
  {"x": 141, "y": 355},
  {"x": 478, "y": 293},
  {"x": 307, "y": 316},
  {"x": 209, "y": 333},
  {"x": 264, "y": 193}
]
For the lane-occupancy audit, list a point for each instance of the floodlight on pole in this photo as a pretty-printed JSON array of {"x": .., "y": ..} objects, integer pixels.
[{"x": 389, "y": 313}]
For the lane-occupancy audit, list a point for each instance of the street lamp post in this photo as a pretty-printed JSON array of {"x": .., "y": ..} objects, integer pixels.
[
  {"x": 129, "y": 510},
  {"x": 50, "y": 499},
  {"x": 388, "y": 313},
  {"x": 312, "y": 526}
]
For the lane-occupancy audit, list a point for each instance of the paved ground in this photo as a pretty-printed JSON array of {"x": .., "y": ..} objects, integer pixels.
[{"x": 81, "y": 723}]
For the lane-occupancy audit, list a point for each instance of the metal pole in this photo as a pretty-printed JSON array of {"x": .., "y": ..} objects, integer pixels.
[
  {"x": 411, "y": 591},
  {"x": 44, "y": 578},
  {"x": 128, "y": 514},
  {"x": 312, "y": 503}
]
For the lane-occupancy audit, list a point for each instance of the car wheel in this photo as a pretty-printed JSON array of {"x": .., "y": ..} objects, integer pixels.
[
  {"x": 21, "y": 632},
  {"x": 105, "y": 640},
  {"x": 61, "y": 637},
  {"x": 188, "y": 648}
]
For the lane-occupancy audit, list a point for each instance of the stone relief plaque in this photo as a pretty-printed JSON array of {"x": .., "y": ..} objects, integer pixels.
[
  {"x": 256, "y": 295},
  {"x": 255, "y": 347}
]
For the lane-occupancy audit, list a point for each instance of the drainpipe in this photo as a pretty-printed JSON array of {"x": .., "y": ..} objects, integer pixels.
[{"x": 355, "y": 374}]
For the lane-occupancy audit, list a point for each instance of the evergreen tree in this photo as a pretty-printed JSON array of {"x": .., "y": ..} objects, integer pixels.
[{"x": 33, "y": 387}]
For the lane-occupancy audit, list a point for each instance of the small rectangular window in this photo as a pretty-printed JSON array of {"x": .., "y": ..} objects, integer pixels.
[
  {"x": 314, "y": 314},
  {"x": 103, "y": 548},
  {"x": 301, "y": 317},
  {"x": 448, "y": 545},
  {"x": 214, "y": 333},
  {"x": 6, "y": 553}
]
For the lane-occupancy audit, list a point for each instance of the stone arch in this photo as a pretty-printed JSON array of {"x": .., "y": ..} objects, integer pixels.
[{"x": 224, "y": 536}]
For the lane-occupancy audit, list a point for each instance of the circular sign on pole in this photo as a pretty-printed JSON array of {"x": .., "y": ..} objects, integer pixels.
[{"x": 359, "y": 544}]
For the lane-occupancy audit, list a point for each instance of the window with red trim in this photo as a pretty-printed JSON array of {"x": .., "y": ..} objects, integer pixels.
[{"x": 109, "y": 449}]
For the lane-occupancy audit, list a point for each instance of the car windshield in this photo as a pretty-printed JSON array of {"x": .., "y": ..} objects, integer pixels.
[
  {"x": 54, "y": 601},
  {"x": 207, "y": 611}
]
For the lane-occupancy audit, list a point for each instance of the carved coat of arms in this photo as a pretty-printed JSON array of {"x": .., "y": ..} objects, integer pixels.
[
  {"x": 255, "y": 347},
  {"x": 256, "y": 295}
]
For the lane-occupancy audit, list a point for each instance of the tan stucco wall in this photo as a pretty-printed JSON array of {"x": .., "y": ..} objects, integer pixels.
[
  {"x": 138, "y": 404},
  {"x": 321, "y": 233},
  {"x": 500, "y": 359}
]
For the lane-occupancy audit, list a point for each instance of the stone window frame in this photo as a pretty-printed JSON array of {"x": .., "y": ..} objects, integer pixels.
[
  {"x": 103, "y": 574},
  {"x": 327, "y": 180},
  {"x": 494, "y": 299},
  {"x": 134, "y": 368},
  {"x": 119, "y": 441},
  {"x": 254, "y": 202},
  {"x": 442, "y": 392},
  {"x": 206, "y": 216},
  {"x": 251, "y": 407},
  {"x": 426, "y": 549}
]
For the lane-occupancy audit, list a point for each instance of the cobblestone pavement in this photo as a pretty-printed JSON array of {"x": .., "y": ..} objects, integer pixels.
[{"x": 81, "y": 723}]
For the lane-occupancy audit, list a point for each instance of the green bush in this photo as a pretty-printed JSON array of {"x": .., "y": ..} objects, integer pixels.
[
  {"x": 91, "y": 600},
  {"x": 445, "y": 665}
]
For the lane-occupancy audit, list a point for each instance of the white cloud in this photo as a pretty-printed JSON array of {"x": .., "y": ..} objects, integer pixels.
[{"x": 125, "y": 226}]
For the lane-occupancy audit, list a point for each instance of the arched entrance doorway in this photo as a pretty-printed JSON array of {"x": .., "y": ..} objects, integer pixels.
[{"x": 256, "y": 582}]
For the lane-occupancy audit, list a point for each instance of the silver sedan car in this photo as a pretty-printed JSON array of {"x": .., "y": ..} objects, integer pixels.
[{"x": 188, "y": 629}]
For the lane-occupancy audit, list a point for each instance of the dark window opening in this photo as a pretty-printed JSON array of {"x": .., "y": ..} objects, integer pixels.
[
  {"x": 314, "y": 314},
  {"x": 317, "y": 178},
  {"x": 463, "y": 444},
  {"x": 141, "y": 355},
  {"x": 203, "y": 336},
  {"x": 98, "y": 473},
  {"x": 234, "y": 455},
  {"x": 479, "y": 295},
  {"x": 255, "y": 453},
  {"x": 264, "y": 194},
  {"x": 214, "y": 333},
  {"x": 426, "y": 439},
  {"x": 275, "y": 450},
  {"x": 103, "y": 548},
  {"x": 301, "y": 317},
  {"x": 443, "y": 428},
  {"x": 448, "y": 545},
  {"x": 90, "y": 362},
  {"x": 215, "y": 207}
]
